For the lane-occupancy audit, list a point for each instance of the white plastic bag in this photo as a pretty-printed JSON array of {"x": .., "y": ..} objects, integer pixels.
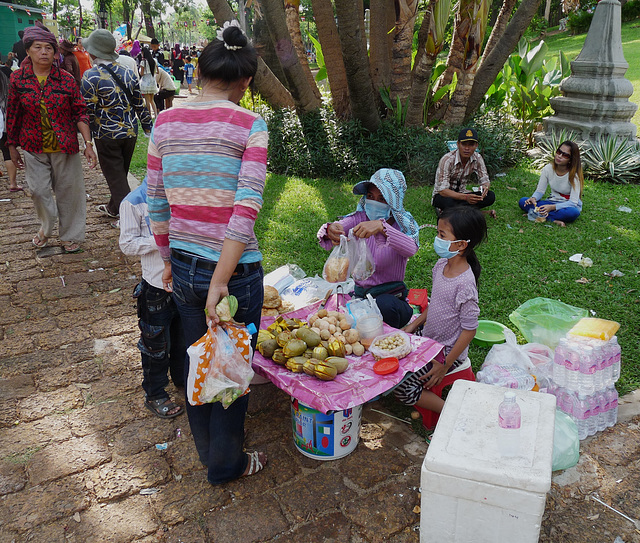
[
  {"x": 338, "y": 266},
  {"x": 362, "y": 307},
  {"x": 220, "y": 365},
  {"x": 508, "y": 354},
  {"x": 362, "y": 265},
  {"x": 566, "y": 445}
]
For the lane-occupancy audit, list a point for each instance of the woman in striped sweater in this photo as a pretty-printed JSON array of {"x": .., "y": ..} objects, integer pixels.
[{"x": 206, "y": 175}]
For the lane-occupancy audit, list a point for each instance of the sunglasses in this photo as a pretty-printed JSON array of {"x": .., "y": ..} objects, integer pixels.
[{"x": 562, "y": 153}]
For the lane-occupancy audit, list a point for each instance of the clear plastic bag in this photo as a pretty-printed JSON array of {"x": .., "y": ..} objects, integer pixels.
[
  {"x": 220, "y": 365},
  {"x": 362, "y": 266},
  {"x": 338, "y": 266},
  {"x": 399, "y": 348},
  {"x": 508, "y": 354},
  {"x": 566, "y": 445}
]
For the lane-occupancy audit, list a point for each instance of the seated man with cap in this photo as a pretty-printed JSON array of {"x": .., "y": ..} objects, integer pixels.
[{"x": 459, "y": 168}]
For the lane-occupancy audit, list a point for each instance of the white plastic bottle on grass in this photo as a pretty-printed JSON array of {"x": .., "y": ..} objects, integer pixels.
[{"x": 509, "y": 422}]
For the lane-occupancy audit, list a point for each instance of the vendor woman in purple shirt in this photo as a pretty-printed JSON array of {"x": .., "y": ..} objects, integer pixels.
[{"x": 391, "y": 234}]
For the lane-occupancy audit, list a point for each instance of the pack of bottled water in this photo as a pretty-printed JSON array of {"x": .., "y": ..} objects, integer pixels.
[{"x": 584, "y": 373}]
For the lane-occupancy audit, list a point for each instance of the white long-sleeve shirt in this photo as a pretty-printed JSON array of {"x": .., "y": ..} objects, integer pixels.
[
  {"x": 136, "y": 238},
  {"x": 560, "y": 187}
]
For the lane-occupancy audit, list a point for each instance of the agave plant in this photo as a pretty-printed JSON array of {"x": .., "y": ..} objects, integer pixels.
[
  {"x": 610, "y": 158},
  {"x": 548, "y": 145}
]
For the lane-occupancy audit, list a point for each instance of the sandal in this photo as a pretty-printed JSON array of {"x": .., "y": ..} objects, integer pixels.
[
  {"x": 102, "y": 208},
  {"x": 162, "y": 407},
  {"x": 39, "y": 240},
  {"x": 71, "y": 248},
  {"x": 257, "y": 461}
]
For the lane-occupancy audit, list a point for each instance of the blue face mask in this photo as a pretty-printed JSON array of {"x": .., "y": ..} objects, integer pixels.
[
  {"x": 376, "y": 210},
  {"x": 441, "y": 247}
]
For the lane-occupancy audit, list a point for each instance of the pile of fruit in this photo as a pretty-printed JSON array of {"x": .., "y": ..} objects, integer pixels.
[{"x": 318, "y": 350}]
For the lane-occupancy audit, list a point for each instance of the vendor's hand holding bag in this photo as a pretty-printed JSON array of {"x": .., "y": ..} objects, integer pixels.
[{"x": 220, "y": 365}]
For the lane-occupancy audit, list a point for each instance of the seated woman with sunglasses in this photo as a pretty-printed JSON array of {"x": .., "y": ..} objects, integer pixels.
[{"x": 564, "y": 177}]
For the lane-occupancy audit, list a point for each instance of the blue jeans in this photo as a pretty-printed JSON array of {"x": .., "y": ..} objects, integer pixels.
[
  {"x": 566, "y": 214},
  {"x": 161, "y": 344},
  {"x": 218, "y": 433}
]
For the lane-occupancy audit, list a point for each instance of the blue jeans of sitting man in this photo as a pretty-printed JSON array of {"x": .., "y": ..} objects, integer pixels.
[
  {"x": 161, "y": 344},
  {"x": 218, "y": 433}
]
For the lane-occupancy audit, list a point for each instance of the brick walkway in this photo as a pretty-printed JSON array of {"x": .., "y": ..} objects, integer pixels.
[{"x": 78, "y": 456}]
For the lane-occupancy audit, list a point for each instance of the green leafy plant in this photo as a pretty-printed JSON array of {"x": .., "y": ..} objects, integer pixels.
[
  {"x": 610, "y": 158},
  {"x": 579, "y": 21},
  {"x": 322, "y": 68},
  {"x": 398, "y": 111},
  {"x": 549, "y": 144}
]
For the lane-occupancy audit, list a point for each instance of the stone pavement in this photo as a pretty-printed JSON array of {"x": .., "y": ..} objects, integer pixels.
[{"x": 78, "y": 455}]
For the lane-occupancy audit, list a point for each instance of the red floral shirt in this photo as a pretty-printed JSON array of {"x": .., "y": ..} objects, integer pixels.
[{"x": 63, "y": 100}]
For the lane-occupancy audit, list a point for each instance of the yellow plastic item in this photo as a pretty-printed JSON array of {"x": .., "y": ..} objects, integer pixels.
[{"x": 596, "y": 328}]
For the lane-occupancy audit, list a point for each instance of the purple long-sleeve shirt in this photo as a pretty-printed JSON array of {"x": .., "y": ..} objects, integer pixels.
[{"x": 390, "y": 251}]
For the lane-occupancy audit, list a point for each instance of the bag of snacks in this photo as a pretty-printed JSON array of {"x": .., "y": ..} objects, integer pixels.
[
  {"x": 396, "y": 344},
  {"x": 363, "y": 264},
  {"x": 338, "y": 265}
]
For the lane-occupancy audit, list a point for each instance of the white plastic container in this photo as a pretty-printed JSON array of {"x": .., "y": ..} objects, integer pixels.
[{"x": 469, "y": 492}]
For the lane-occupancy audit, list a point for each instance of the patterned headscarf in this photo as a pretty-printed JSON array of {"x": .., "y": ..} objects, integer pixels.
[
  {"x": 38, "y": 33},
  {"x": 393, "y": 186}
]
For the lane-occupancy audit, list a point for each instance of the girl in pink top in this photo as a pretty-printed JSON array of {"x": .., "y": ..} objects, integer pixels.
[{"x": 452, "y": 315}]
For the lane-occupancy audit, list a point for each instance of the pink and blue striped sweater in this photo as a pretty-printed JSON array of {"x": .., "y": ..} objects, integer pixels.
[{"x": 206, "y": 172}]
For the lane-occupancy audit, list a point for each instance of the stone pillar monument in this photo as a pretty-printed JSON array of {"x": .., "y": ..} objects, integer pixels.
[{"x": 596, "y": 96}]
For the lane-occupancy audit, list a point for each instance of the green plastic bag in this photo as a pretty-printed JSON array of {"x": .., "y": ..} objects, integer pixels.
[
  {"x": 543, "y": 320},
  {"x": 566, "y": 445}
]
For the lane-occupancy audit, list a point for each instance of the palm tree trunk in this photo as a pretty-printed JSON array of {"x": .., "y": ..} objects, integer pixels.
[
  {"x": 304, "y": 95},
  {"x": 336, "y": 73},
  {"x": 267, "y": 84},
  {"x": 402, "y": 49},
  {"x": 421, "y": 75},
  {"x": 293, "y": 24},
  {"x": 148, "y": 19},
  {"x": 498, "y": 28},
  {"x": 495, "y": 60},
  {"x": 354, "y": 53},
  {"x": 383, "y": 20}
]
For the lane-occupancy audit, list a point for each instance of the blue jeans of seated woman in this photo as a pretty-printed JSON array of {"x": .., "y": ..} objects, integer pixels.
[
  {"x": 162, "y": 347},
  {"x": 566, "y": 214},
  {"x": 218, "y": 433}
]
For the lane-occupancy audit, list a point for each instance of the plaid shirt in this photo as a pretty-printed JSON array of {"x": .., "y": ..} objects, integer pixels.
[
  {"x": 112, "y": 116},
  {"x": 62, "y": 99},
  {"x": 451, "y": 174}
]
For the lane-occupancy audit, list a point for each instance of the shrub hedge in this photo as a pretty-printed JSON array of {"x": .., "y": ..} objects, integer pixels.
[{"x": 319, "y": 145}]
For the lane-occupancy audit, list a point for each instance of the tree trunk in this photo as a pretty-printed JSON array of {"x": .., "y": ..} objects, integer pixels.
[
  {"x": 126, "y": 15},
  {"x": 304, "y": 95},
  {"x": 547, "y": 10},
  {"x": 148, "y": 19},
  {"x": 498, "y": 29},
  {"x": 264, "y": 46},
  {"x": 336, "y": 73},
  {"x": 477, "y": 12},
  {"x": 356, "y": 61},
  {"x": 292, "y": 20},
  {"x": 402, "y": 49},
  {"x": 498, "y": 56},
  {"x": 422, "y": 67},
  {"x": 267, "y": 84},
  {"x": 383, "y": 19}
]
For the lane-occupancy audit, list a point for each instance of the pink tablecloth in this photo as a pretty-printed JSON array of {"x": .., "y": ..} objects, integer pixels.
[{"x": 357, "y": 385}]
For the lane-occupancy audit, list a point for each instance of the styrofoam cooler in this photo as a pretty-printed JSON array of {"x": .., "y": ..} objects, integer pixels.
[{"x": 469, "y": 492}]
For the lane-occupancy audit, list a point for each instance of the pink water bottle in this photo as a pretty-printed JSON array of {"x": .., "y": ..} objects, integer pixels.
[
  {"x": 616, "y": 358},
  {"x": 509, "y": 421},
  {"x": 559, "y": 371},
  {"x": 572, "y": 366}
]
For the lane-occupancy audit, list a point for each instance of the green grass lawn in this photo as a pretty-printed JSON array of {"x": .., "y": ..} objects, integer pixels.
[
  {"x": 521, "y": 260},
  {"x": 572, "y": 45}
]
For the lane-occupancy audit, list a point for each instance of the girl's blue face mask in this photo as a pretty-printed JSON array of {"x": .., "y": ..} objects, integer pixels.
[
  {"x": 376, "y": 210},
  {"x": 442, "y": 246}
]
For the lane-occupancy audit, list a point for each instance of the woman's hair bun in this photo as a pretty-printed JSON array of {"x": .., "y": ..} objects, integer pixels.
[{"x": 234, "y": 36}]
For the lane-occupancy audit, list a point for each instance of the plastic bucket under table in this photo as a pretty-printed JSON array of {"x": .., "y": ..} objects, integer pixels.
[{"x": 325, "y": 437}]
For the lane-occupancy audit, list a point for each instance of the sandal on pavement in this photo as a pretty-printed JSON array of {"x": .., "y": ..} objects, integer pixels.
[
  {"x": 16, "y": 189},
  {"x": 102, "y": 208},
  {"x": 162, "y": 408},
  {"x": 71, "y": 248},
  {"x": 257, "y": 461},
  {"x": 39, "y": 240}
]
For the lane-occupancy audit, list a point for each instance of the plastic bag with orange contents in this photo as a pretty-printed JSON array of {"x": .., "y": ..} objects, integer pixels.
[{"x": 220, "y": 365}]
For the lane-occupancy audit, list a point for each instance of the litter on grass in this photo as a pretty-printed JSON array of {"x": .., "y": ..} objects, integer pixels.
[
  {"x": 615, "y": 273},
  {"x": 149, "y": 491},
  {"x": 625, "y": 209},
  {"x": 583, "y": 261},
  {"x": 162, "y": 446}
]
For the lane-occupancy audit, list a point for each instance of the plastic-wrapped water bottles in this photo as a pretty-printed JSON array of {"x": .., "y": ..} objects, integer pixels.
[
  {"x": 582, "y": 413},
  {"x": 572, "y": 367},
  {"x": 615, "y": 367},
  {"x": 587, "y": 365},
  {"x": 506, "y": 376},
  {"x": 612, "y": 399},
  {"x": 603, "y": 405},
  {"x": 559, "y": 371}
]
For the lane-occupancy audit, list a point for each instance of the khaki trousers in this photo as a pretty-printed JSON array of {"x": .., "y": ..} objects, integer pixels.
[{"x": 57, "y": 190}]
